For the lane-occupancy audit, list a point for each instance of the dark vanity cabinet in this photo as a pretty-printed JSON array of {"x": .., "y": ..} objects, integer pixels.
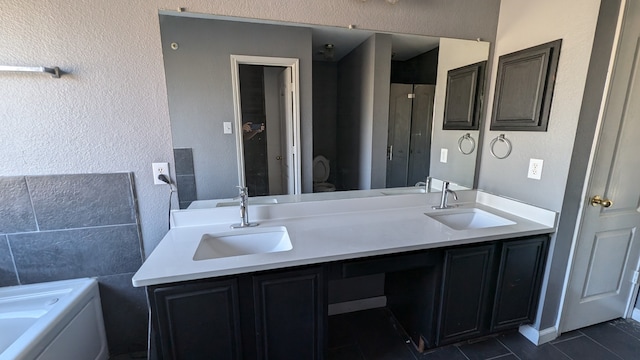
[
  {"x": 437, "y": 296},
  {"x": 290, "y": 314},
  {"x": 490, "y": 288},
  {"x": 518, "y": 282},
  {"x": 270, "y": 315},
  {"x": 195, "y": 320},
  {"x": 466, "y": 283}
]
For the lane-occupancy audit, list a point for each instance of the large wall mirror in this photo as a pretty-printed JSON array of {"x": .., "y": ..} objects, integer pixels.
[{"x": 371, "y": 106}]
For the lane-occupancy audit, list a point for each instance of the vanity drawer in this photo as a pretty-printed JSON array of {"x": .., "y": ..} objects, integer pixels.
[{"x": 390, "y": 263}]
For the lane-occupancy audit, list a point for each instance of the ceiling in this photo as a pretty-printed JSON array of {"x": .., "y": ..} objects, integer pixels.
[{"x": 344, "y": 40}]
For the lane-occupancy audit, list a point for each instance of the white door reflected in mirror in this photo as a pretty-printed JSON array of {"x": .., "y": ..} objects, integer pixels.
[{"x": 268, "y": 158}]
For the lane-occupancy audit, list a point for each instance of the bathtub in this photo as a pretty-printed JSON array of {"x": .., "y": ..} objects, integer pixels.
[{"x": 54, "y": 320}]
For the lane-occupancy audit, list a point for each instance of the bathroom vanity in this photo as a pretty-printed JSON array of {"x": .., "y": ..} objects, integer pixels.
[{"x": 449, "y": 275}]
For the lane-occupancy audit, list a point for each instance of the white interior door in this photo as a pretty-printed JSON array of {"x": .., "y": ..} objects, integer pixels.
[
  {"x": 601, "y": 283},
  {"x": 272, "y": 106},
  {"x": 287, "y": 167},
  {"x": 292, "y": 177}
]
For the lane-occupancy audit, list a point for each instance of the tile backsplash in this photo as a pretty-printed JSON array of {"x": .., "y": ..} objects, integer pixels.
[
  {"x": 15, "y": 206},
  {"x": 185, "y": 176},
  {"x": 60, "y": 227}
]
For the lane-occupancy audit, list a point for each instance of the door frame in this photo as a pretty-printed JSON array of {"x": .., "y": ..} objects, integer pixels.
[
  {"x": 584, "y": 202},
  {"x": 293, "y": 142}
]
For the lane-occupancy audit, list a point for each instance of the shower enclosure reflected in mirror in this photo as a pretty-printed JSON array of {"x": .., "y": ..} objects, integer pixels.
[{"x": 344, "y": 106}]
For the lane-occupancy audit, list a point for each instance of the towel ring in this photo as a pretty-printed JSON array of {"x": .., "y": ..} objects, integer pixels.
[
  {"x": 500, "y": 138},
  {"x": 467, "y": 137}
]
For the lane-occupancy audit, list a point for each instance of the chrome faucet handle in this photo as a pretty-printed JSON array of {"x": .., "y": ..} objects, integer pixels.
[
  {"x": 244, "y": 205},
  {"x": 443, "y": 199},
  {"x": 426, "y": 184},
  {"x": 243, "y": 193},
  {"x": 241, "y": 190}
]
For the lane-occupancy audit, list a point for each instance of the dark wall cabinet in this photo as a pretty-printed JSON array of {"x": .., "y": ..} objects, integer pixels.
[
  {"x": 524, "y": 88},
  {"x": 463, "y": 101},
  {"x": 490, "y": 288},
  {"x": 273, "y": 315}
]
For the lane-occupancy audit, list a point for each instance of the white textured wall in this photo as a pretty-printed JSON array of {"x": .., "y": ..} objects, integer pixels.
[
  {"x": 523, "y": 24},
  {"x": 111, "y": 113}
]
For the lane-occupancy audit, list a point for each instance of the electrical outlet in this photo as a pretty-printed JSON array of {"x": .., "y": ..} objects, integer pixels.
[
  {"x": 160, "y": 168},
  {"x": 535, "y": 169},
  {"x": 444, "y": 153}
]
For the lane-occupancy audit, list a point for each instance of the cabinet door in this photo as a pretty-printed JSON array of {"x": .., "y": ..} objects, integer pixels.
[
  {"x": 465, "y": 289},
  {"x": 290, "y": 312},
  {"x": 199, "y": 320},
  {"x": 524, "y": 88},
  {"x": 463, "y": 101},
  {"x": 517, "y": 291}
]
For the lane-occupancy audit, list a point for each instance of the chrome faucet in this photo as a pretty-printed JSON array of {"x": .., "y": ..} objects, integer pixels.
[
  {"x": 426, "y": 184},
  {"x": 244, "y": 209},
  {"x": 443, "y": 199}
]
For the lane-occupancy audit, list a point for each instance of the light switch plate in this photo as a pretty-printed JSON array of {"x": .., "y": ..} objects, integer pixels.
[
  {"x": 227, "y": 127},
  {"x": 444, "y": 153},
  {"x": 535, "y": 169}
]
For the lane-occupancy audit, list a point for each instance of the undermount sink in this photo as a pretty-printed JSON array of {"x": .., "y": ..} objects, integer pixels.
[
  {"x": 465, "y": 219},
  {"x": 243, "y": 242},
  {"x": 252, "y": 201}
]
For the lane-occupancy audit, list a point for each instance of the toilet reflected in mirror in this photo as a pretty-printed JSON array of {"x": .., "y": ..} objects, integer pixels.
[{"x": 321, "y": 172}]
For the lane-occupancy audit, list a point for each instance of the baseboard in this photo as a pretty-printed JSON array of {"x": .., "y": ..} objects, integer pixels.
[
  {"x": 538, "y": 337},
  {"x": 357, "y": 305},
  {"x": 635, "y": 315}
]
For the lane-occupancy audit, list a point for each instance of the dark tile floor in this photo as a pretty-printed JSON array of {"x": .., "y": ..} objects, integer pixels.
[{"x": 374, "y": 334}]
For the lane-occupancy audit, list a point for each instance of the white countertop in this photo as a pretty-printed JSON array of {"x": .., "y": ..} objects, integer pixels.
[{"x": 333, "y": 230}]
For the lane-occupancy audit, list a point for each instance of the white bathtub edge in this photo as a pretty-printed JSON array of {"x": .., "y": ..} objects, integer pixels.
[{"x": 35, "y": 340}]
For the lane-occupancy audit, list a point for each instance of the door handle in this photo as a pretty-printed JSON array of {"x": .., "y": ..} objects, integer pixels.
[
  {"x": 597, "y": 200},
  {"x": 278, "y": 157}
]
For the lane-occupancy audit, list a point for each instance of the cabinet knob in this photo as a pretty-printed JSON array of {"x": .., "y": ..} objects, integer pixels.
[{"x": 597, "y": 200}]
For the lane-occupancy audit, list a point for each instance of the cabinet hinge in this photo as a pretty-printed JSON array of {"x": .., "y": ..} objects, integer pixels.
[{"x": 635, "y": 277}]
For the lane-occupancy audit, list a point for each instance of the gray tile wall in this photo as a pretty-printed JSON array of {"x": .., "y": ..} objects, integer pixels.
[
  {"x": 185, "y": 176},
  {"x": 70, "y": 226}
]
